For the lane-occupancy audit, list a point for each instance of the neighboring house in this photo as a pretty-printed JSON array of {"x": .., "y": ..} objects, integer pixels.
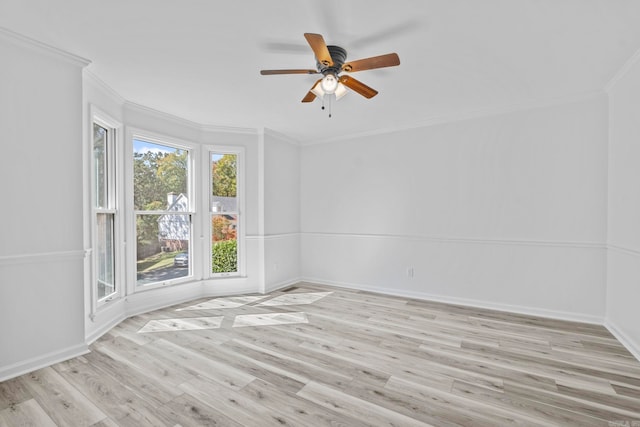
[
  {"x": 220, "y": 204},
  {"x": 173, "y": 230}
]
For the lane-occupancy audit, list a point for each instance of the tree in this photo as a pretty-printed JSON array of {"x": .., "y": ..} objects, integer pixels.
[
  {"x": 147, "y": 188},
  {"x": 172, "y": 172},
  {"x": 224, "y": 173},
  {"x": 223, "y": 229},
  {"x": 155, "y": 174}
]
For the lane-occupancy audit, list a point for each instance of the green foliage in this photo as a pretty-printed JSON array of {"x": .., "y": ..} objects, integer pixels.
[
  {"x": 224, "y": 173},
  {"x": 172, "y": 173},
  {"x": 155, "y": 174},
  {"x": 225, "y": 256}
]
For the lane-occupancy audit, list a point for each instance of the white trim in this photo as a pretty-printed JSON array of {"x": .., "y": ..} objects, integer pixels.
[
  {"x": 40, "y": 258},
  {"x": 105, "y": 327},
  {"x": 108, "y": 90},
  {"x": 281, "y": 137},
  {"x": 160, "y": 115},
  {"x": 516, "y": 309},
  {"x": 461, "y": 116},
  {"x": 280, "y": 285},
  {"x": 623, "y": 250},
  {"x": 274, "y": 236},
  {"x": 113, "y": 167},
  {"x": 262, "y": 279},
  {"x": 462, "y": 240},
  {"x": 228, "y": 129},
  {"x": 43, "y": 361},
  {"x": 281, "y": 236},
  {"x": 145, "y": 300},
  {"x": 625, "y": 340},
  {"x": 43, "y": 47},
  {"x": 241, "y": 175},
  {"x": 168, "y": 117},
  {"x": 607, "y": 210},
  {"x": 193, "y": 148},
  {"x": 622, "y": 71}
]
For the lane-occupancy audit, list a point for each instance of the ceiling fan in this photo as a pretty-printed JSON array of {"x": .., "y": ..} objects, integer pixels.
[{"x": 331, "y": 61}]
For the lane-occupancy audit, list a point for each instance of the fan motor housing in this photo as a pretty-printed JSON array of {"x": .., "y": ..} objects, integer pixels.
[{"x": 338, "y": 55}]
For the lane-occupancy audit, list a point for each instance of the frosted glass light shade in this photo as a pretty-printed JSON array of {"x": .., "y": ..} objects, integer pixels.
[
  {"x": 339, "y": 90},
  {"x": 329, "y": 84}
]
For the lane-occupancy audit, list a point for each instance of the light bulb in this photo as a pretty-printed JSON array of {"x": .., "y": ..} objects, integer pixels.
[{"x": 329, "y": 84}]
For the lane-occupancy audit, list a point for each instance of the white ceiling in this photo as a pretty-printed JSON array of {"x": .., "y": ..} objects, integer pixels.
[{"x": 200, "y": 59}]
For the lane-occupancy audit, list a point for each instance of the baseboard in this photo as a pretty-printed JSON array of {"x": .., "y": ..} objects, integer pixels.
[
  {"x": 515, "y": 309},
  {"x": 104, "y": 328},
  {"x": 144, "y": 302},
  {"x": 33, "y": 364},
  {"x": 628, "y": 343},
  {"x": 276, "y": 286}
]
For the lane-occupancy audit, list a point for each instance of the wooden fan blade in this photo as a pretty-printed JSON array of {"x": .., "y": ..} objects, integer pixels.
[
  {"x": 358, "y": 86},
  {"x": 316, "y": 41},
  {"x": 388, "y": 60},
  {"x": 310, "y": 96},
  {"x": 271, "y": 72}
]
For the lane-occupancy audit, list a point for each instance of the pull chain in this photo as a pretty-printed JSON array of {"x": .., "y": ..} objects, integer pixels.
[{"x": 328, "y": 103}]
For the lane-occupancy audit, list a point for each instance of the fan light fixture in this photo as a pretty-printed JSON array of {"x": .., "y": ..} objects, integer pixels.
[
  {"x": 329, "y": 85},
  {"x": 330, "y": 62}
]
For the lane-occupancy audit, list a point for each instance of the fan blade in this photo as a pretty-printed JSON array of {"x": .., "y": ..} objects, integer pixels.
[
  {"x": 316, "y": 41},
  {"x": 358, "y": 86},
  {"x": 388, "y": 60},
  {"x": 310, "y": 96},
  {"x": 271, "y": 72}
]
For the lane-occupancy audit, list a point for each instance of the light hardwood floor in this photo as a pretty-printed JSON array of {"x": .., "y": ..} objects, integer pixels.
[{"x": 312, "y": 355}]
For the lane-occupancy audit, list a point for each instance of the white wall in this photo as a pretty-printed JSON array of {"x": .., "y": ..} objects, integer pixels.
[
  {"x": 41, "y": 249},
  {"x": 623, "y": 289},
  {"x": 506, "y": 211},
  {"x": 281, "y": 210}
]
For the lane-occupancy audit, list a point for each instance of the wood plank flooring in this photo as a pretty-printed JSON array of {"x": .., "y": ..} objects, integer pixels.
[{"x": 315, "y": 355}]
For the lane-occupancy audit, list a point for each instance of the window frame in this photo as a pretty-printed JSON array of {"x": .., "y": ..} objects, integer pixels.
[
  {"x": 131, "y": 232},
  {"x": 112, "y": 206},
  {"x": 207, "y": 178}
]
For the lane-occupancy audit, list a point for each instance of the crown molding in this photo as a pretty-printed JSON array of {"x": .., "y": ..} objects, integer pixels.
[
  {"x": 102, "y": 85},
  {"x": 281, "y": 136},
  {"x": 464, "y": 116},
  {"x": 161, "y": 115},
  {"x": 229, "y": 129},
  {"x": 43, "y": 47},
  {"x": 622, "y": 71}
]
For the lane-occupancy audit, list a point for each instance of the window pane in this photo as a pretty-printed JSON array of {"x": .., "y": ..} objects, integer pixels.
[
  {"x": 162, "y": 247},
  {"x": 160, "y": 177},
  {"x": 105, "y": 255},
  {"x": 100, "y": 164},
  {"x": 223, "y": 176},
  {"x": 224, "y": 244}
]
